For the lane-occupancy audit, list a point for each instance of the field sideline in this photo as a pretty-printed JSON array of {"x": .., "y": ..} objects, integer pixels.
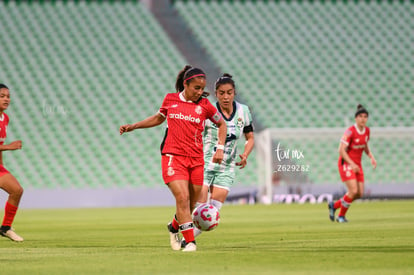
[{"x": 251, "y": 239}]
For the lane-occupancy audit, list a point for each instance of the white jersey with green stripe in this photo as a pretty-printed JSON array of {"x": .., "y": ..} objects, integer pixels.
[{"x": 236, "y": 123}]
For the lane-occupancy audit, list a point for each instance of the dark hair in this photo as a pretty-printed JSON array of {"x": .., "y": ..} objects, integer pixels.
[
  {"x": 3, "y": 86},
  {"x": 186, "y": 75},
  {"x": 361, "y": 110},
  {"x": 225, "y": 79}
]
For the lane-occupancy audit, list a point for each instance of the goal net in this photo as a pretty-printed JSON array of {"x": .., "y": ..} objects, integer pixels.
[{"x": 304, "y": 160}]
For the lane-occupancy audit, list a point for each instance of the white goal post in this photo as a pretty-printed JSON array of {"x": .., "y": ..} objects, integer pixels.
[{"x": 298, "y": 157}]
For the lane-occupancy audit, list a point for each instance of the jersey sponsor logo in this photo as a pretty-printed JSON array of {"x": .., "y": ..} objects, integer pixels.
[
  {"x": 230, "y": 137},
  {"x": 358, "y": 146},
  {"x": 186, "y": 118}
]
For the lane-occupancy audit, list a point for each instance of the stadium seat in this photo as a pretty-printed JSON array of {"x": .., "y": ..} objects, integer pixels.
[{"x": 77, "y": 71}]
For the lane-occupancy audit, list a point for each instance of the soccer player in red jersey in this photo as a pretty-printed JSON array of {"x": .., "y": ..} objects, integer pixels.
[
  {"x": 353, "y": 143},
  {"x": 7, "y": 181},
  {"x": 182, "y": 159}
]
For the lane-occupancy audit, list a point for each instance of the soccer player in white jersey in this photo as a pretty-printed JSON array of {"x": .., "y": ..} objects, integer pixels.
[
  {"x": 219, "y": 177},
  {"x": 182, "y": 162}
]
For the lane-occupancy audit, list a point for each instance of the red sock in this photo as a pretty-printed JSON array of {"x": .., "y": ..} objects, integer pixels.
[
  {"x": 174, "y": 223},
  {"x": 9, "y": 213},
  {"x": 337, "y": 204},
  {"x": 187, "y": 229},
  {"x": 345, "y": 204}
]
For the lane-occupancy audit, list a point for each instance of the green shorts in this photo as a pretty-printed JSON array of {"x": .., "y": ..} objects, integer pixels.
[{"x": 220, "y": 179}]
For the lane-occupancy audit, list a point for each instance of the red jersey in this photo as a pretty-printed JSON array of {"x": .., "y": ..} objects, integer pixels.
[
  {"x": 185, "y": 121},
  {"x": 4, "y": 122},
  {"x": 356, "y": 141}
]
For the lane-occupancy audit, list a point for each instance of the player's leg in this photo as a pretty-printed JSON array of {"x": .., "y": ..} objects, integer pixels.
[
  {"x": 220, "y": 189},
  {"x": 208, "y": 179},
  {"x": 360, "y": 184},
  {"x": 195, "y": 189},
  {"x": 360, "y": 190},
  {"x": 196, "y": 194},
  {"x": 175, "y": 175},
  {"x": 10, "y": 184},
  {"x": 218, "y": 196},
  {"x": 181, "y": 193},
  {"x": 203, "y": 195},
  {"x": 347, "y": 199},
  {"x": 346, "y": 175},
  {"x": 202, "y": 192}
]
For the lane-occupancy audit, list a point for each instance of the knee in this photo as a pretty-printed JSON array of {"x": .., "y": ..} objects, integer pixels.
[
  {"x": 359, "y": 194},
  {"x": 182, "y": 200},
  {"x": 17, "y": 192},
  {"x": 353, "y": 193}
]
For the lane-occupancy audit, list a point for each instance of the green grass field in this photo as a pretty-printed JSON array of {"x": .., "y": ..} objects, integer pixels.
[{"x": 251, "y": 239}]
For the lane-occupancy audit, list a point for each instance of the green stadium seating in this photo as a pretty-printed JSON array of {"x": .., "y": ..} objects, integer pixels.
[
  {"x": 309, "y": 63},
  {"x": 347, "y": 51},
  {"x": 77, "y": 71}
]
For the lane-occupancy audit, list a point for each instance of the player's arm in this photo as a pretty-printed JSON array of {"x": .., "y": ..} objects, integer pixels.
[
  {"x": 371, "y": 156},
  {"x": 15, "y": 145},
  {"x": 342, "y": 152},
  {"x": 149, "y": 122},
  {"x": 222, "y": 132},
  {"x": 248, "y": 147}
]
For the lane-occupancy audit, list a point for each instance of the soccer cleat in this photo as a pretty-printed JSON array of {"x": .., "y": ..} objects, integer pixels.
[
  {"x": 183, "y": 243},
  {"x": 190, "y": 247},
  {"x": 175, "y": 241},
  {"x": 341, "y": 219},
  {"x": 11, "y": 235},
  {"x": 331, "y": 211}
]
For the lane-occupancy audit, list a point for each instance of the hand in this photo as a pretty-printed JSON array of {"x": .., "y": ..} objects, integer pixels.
[
  {"x": 354, "y": 167},
  {"x": 15, "y": 145},
  {"x": 243, "y": 161},
  {"x": 125, "y": 128},
  {"x": 218, "y": 156},
  {"x": 373, "y": 162}
]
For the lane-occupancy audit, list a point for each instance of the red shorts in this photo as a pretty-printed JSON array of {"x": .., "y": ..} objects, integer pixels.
[
  {"x": 3, "y": 171},
  {"x": 176, "y": 167},
  {"x": 347, "y": 173}
]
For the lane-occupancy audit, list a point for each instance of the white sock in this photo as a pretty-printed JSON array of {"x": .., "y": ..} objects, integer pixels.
[
  {"x": 216, "y": 204},
  {"x": 197, "y": 231}
]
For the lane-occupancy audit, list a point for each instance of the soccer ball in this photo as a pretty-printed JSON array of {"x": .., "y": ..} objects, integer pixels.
[{"x": 206, "y": 217}]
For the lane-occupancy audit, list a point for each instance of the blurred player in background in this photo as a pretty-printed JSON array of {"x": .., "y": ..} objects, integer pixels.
[
  {"x": 219, "y": 177},
  {"x": 353, "y": 143},
  {"x": 7, "y": 181},
  {"x": 186, "y": 112}
]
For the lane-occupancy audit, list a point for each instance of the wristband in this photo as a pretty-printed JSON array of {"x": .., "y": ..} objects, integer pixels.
[{"x": 220, "y": 147}]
